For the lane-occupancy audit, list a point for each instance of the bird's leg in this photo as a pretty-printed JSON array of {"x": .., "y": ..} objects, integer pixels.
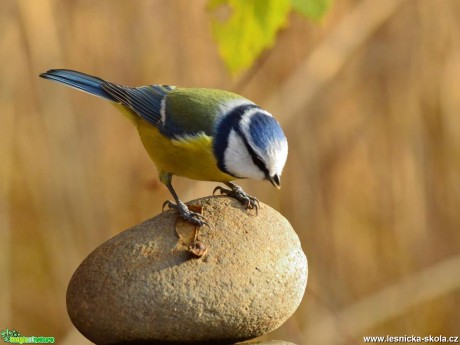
[
  {"x": 239, "y": 194},
  {"x": 190, "y": 216}
]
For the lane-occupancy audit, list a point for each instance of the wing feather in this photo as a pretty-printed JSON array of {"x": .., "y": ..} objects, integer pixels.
[{"x": 144, "y": 101}]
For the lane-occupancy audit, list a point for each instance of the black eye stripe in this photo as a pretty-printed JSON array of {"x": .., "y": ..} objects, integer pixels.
[
  {"x": 255, "y": 157},
  {"x": 230, "y": 122}
]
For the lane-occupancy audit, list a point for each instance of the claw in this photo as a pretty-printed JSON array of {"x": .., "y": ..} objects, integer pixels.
[
  {"x": 168, "y": 203},
  {"x": 189, "y": 216},
  {"x": 239, "y": 194},
  {"x": 219, "y": 188}
]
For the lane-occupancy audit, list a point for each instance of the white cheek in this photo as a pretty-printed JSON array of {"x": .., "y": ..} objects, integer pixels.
[{"x": 238, "y": 161}]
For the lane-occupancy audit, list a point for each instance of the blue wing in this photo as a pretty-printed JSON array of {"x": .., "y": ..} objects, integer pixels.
[{"x": 145, "y": 101}]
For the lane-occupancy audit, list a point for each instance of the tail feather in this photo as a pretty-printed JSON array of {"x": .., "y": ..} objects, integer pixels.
[{"x": 80, "y": 81}]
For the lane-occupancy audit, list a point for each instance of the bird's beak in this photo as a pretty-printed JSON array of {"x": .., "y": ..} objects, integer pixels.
[{"x": 275, "y": 180}]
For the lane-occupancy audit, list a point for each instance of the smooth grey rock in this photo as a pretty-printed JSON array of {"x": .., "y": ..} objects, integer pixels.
[{"x": 144, "y": 286}]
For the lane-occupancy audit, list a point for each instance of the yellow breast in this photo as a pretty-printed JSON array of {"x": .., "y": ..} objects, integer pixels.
[{"x": 192, "y": 157}]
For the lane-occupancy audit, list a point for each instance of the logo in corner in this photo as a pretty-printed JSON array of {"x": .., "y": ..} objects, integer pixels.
[{"x": 14, "y": 337}]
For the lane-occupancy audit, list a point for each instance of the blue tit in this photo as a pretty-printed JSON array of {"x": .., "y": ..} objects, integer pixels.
[{"x": 202, "y": 134}]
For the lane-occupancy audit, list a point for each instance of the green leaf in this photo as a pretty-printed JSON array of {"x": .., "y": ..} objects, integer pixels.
[
  {"x": 313, "y": 9},
  {"x": 250, "y": 28}
]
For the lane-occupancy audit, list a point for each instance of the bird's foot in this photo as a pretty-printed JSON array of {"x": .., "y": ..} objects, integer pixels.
[
  {"x": 239, "y": 194},
  {"x": 189, "y": 216}
]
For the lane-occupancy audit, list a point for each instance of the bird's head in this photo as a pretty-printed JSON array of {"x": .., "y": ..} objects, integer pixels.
[{"x": 252, "y": 144}]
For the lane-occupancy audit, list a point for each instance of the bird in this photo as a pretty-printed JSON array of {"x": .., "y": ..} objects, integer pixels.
[{"x": 199, "y": 133}]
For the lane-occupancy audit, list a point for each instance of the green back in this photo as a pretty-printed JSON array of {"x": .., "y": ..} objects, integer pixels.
[{"x": 193, "y": 110}]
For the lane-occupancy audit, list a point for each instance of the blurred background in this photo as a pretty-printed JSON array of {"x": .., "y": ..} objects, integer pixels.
[{"x": 369, "y": 98}]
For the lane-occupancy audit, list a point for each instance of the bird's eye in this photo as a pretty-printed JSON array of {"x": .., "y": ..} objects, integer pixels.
[
  {"x": 255, "y": 157},
  {"x": 258, "y": 161}
]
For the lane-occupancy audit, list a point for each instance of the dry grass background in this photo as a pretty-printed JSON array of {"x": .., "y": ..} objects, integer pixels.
[{"x": 369, "y": 99}]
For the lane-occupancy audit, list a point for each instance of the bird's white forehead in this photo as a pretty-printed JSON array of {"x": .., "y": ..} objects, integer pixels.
[{"x": 277, "y": 157}]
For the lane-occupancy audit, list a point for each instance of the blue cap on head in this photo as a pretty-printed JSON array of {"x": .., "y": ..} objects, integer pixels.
[
  {"x": 265, "y": 130},
  {"x": 251, "y": 144}
]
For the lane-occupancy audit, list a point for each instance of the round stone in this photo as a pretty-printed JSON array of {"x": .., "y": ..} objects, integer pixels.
[{"x": 165, "y": 281}]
